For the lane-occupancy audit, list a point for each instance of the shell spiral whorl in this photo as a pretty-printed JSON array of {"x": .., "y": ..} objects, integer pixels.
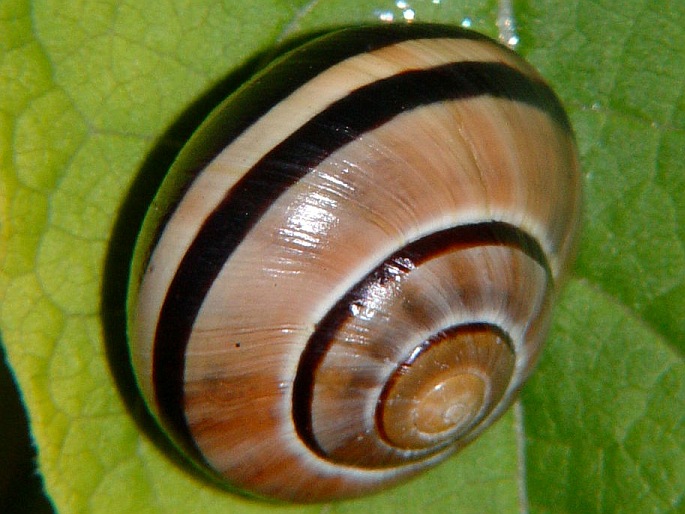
[{"x": 349, "y": 271}]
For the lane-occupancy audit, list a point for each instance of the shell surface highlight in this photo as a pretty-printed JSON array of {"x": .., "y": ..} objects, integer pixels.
[{"x": 349, "y": 271}]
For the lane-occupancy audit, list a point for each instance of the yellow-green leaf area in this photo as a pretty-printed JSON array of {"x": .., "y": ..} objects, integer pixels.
[
  {"x": 48, "y": 134},
  {"x": 24, "y": 71},
  {"x": 96, "y": 97}
]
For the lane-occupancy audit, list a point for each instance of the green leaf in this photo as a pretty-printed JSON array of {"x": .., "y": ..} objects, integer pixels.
[{"x": 96, "y": 98}]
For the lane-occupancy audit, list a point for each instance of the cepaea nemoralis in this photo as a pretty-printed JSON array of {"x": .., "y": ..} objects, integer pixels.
[{"x": 348, "y": 272}]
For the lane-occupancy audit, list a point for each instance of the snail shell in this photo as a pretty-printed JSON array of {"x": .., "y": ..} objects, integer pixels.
[{"x": 349, "y": 271}]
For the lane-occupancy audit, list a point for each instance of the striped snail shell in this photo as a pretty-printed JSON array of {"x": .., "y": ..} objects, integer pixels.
[{"x": 349, "y": 270}]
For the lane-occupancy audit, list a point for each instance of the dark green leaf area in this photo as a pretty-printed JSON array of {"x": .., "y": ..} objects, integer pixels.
[{"x": 605, "y": 413}]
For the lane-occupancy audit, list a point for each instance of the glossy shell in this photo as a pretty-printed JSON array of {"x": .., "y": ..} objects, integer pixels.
[{"x": 349, "y": 271}]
